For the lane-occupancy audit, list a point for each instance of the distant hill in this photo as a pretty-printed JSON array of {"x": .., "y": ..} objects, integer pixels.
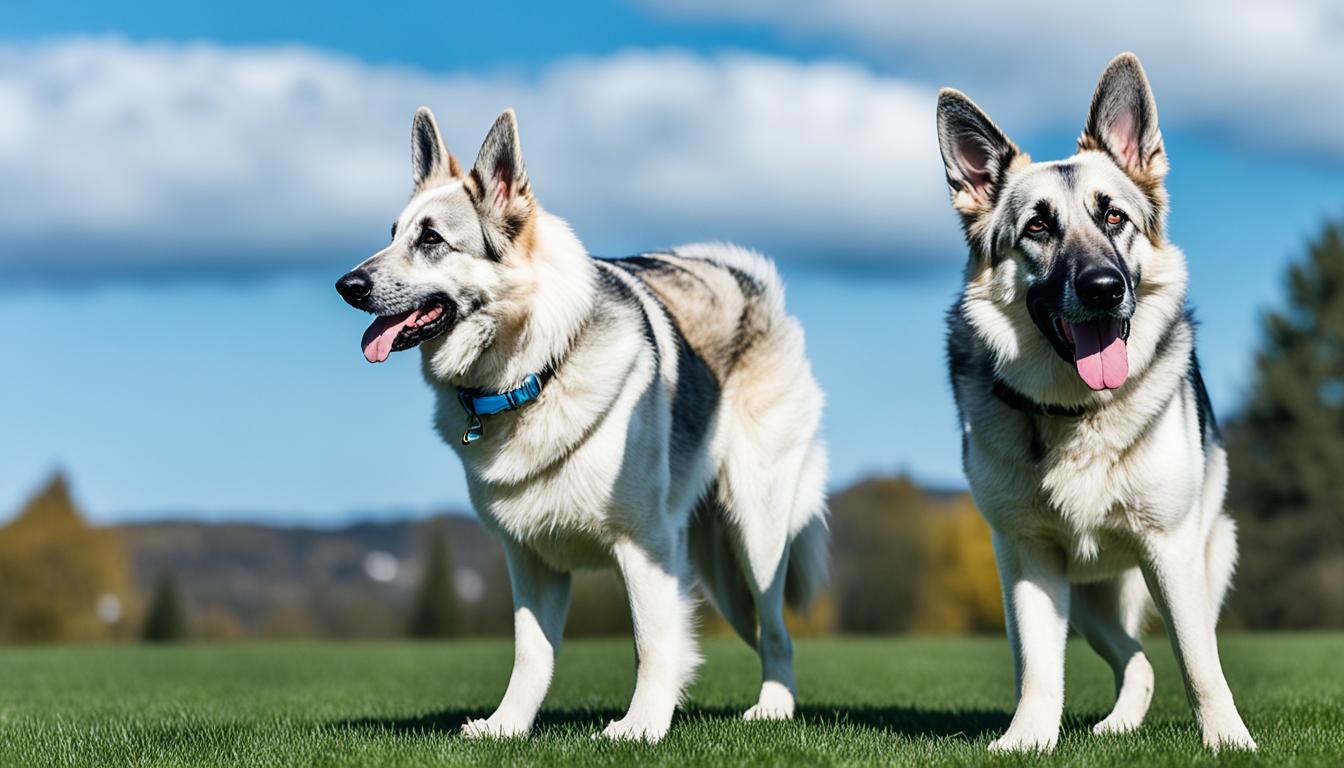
[
  {"x": 906, "y": 559},
  {"x": 356, "y": 581}
]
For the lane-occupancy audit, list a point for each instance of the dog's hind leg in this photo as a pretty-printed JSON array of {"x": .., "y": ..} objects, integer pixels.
[
  {"x": 776, "y": 700},
  {"x": 540, "y": 604},
  {"x": 714, "y": 556},
  {"x": 800, "y": 574},
  {"x": 1110, "y": 615},
  {"x": 662, "y": 610}
]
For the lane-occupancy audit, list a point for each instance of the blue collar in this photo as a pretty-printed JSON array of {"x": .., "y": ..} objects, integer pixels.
[{"x": 478, "y": 404}]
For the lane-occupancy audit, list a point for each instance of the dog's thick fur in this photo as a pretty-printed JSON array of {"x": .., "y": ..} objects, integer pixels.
[
  {"x": 1097, "y": 499},
  {"x": 677, "y": 439}
]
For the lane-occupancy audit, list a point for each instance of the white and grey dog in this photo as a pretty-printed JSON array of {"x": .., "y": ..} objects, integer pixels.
[
  {"x": 1088, "y": 438},
  {"x": 654, "y": 413}
]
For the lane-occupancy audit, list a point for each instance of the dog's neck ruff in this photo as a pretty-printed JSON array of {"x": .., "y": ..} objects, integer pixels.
[
  {"x": 1020, "y": 402},
  {"x": 478, "y": 403}
]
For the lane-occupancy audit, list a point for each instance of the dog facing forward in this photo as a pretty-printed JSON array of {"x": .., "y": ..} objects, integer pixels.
[
  {"x": 656, "y": 414},
  {"x": 1088, "y": 438}
]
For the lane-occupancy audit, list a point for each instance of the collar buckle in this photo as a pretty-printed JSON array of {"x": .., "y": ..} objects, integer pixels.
[{"x": 477, "y": 404}]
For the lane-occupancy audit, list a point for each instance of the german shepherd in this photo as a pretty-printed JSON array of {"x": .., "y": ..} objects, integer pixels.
[
  {"x": 1088, "y": 438},
  {"x": 655, "y": 414}
]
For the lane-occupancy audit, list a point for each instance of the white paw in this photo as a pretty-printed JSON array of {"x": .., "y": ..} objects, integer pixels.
[
  {"x": 1117, "y": 722},
  {"x": 634, "y": 728},
  {"x": 1132, "y": 704},
  {"x": 1232, "y": 735},
  {"x": 1024, "y": 740},
  {"x": 775, "y": 703},
  {"x": 761, "y": 712},
  {"x": 492, "y": 728}
]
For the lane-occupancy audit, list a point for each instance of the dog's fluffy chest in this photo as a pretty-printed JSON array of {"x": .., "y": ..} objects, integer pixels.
[
  {"x": 566, "y": 499},
  {"x": 564, "y": 514},
  {"x": 1084, "y": 481},
  {"x": 1098, "y": 488}
]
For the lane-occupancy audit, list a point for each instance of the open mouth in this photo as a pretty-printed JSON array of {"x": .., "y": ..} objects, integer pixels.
[
  {"x": 1097, "y": 347},
  {"x": 404, "y": 330}
]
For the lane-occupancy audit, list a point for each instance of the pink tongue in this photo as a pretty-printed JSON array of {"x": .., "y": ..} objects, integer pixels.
[
  {"x": 1100, "y": 354},
  {"x": 380, "y": 335}
]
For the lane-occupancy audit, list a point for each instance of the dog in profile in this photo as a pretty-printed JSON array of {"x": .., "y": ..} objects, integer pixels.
[
  {"x": 1088, "y": 438},
  {"x": 655, "y": 414}
]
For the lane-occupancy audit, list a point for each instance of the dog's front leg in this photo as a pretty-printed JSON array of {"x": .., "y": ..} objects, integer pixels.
[
  {"x": 1176, "y": 570},
  {"x": 1036, "y": 610},
  {"x": 540, "y": 604},
  {"x": 665, "y": 654}
]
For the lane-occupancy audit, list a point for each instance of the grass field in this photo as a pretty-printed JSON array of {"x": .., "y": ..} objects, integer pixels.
[{"x": 864, "y": 701}]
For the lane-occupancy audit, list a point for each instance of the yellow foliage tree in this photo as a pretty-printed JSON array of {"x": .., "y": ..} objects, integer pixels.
[
  {"x": 911, "y": 560},
  {"x": 60, "y": 579},
  {"x": 960, "y": 584}
]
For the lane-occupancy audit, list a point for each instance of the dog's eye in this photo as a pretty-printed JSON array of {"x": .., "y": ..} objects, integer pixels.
[
  {"x": 1115, "y": 217},
  {"x": 430, "y": 237},
  {"x": 1037, "y": 226}
]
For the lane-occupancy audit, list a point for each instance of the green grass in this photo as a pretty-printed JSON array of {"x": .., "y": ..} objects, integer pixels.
[{"x": 864, "y": 701}]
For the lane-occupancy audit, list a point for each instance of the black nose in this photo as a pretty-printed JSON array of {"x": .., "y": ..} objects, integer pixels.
[
  {"x": 1100, "y": 287},
  {"x": 354, "y": 287}
]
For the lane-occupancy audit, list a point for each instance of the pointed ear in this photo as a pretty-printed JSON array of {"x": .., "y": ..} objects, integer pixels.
[
  {"x": 976, "y": 154},
  {"x": 499, "y": 172},
  {"x": 429, "y": 158},
  {"x": 1123, "y": 121},
  {"x": 498, "y": 185}
]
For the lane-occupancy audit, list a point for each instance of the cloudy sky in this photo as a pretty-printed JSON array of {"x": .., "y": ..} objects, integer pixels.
[{"x": 182, "y": 184}]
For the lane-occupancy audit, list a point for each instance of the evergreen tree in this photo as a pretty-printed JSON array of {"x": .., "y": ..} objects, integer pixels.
[
  {"x": 167, "y": 620},
  {"x": 436, "y": 611},
  {"x": 1287, "y": 454}
]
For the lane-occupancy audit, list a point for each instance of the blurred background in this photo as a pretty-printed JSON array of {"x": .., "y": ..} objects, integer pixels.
[{"x": 183, "y": 182}]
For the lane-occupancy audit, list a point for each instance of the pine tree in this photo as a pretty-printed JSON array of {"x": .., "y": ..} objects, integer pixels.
[
  {"x": 1287, "y": 454},
  {"x": 436, "y": 612},
  {"x": 167, "y": 620}
]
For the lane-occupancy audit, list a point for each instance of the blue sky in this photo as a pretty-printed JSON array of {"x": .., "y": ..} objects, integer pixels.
[{"x": 184, "y": 181}]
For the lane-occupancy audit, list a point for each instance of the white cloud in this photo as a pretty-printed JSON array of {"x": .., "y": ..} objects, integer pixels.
[
  {"x": 1263, "y": 73},
  {"x": 118, "y": 156}
]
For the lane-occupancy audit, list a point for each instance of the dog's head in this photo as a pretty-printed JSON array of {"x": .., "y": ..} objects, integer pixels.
[
  {"x": 1064, "y": 245},
  {"x": 448, "y": 279}
]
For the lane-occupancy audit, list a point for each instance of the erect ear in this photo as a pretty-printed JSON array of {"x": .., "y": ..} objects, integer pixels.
[
  {"x": 1123, "y": 121},
  {"x": 976, "y": 154},
  {"x": 429, "y": 159},
  {"x": 498, "y": 183},
  {"x": 499, "y": 172}
]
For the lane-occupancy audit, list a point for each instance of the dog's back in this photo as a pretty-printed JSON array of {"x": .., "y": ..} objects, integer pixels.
[{"x": 724, "y": 300}]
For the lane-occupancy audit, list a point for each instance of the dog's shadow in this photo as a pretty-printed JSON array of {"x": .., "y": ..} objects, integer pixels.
[{"x": 910, "y": 722}]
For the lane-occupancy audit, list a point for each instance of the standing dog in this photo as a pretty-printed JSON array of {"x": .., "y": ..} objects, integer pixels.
[
  {"x": 655, "y": 413},
  {"x": 1088, "y": 438}
]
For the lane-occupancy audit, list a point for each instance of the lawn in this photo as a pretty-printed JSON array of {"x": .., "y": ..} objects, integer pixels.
[{"x": 864, "y": 701}]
